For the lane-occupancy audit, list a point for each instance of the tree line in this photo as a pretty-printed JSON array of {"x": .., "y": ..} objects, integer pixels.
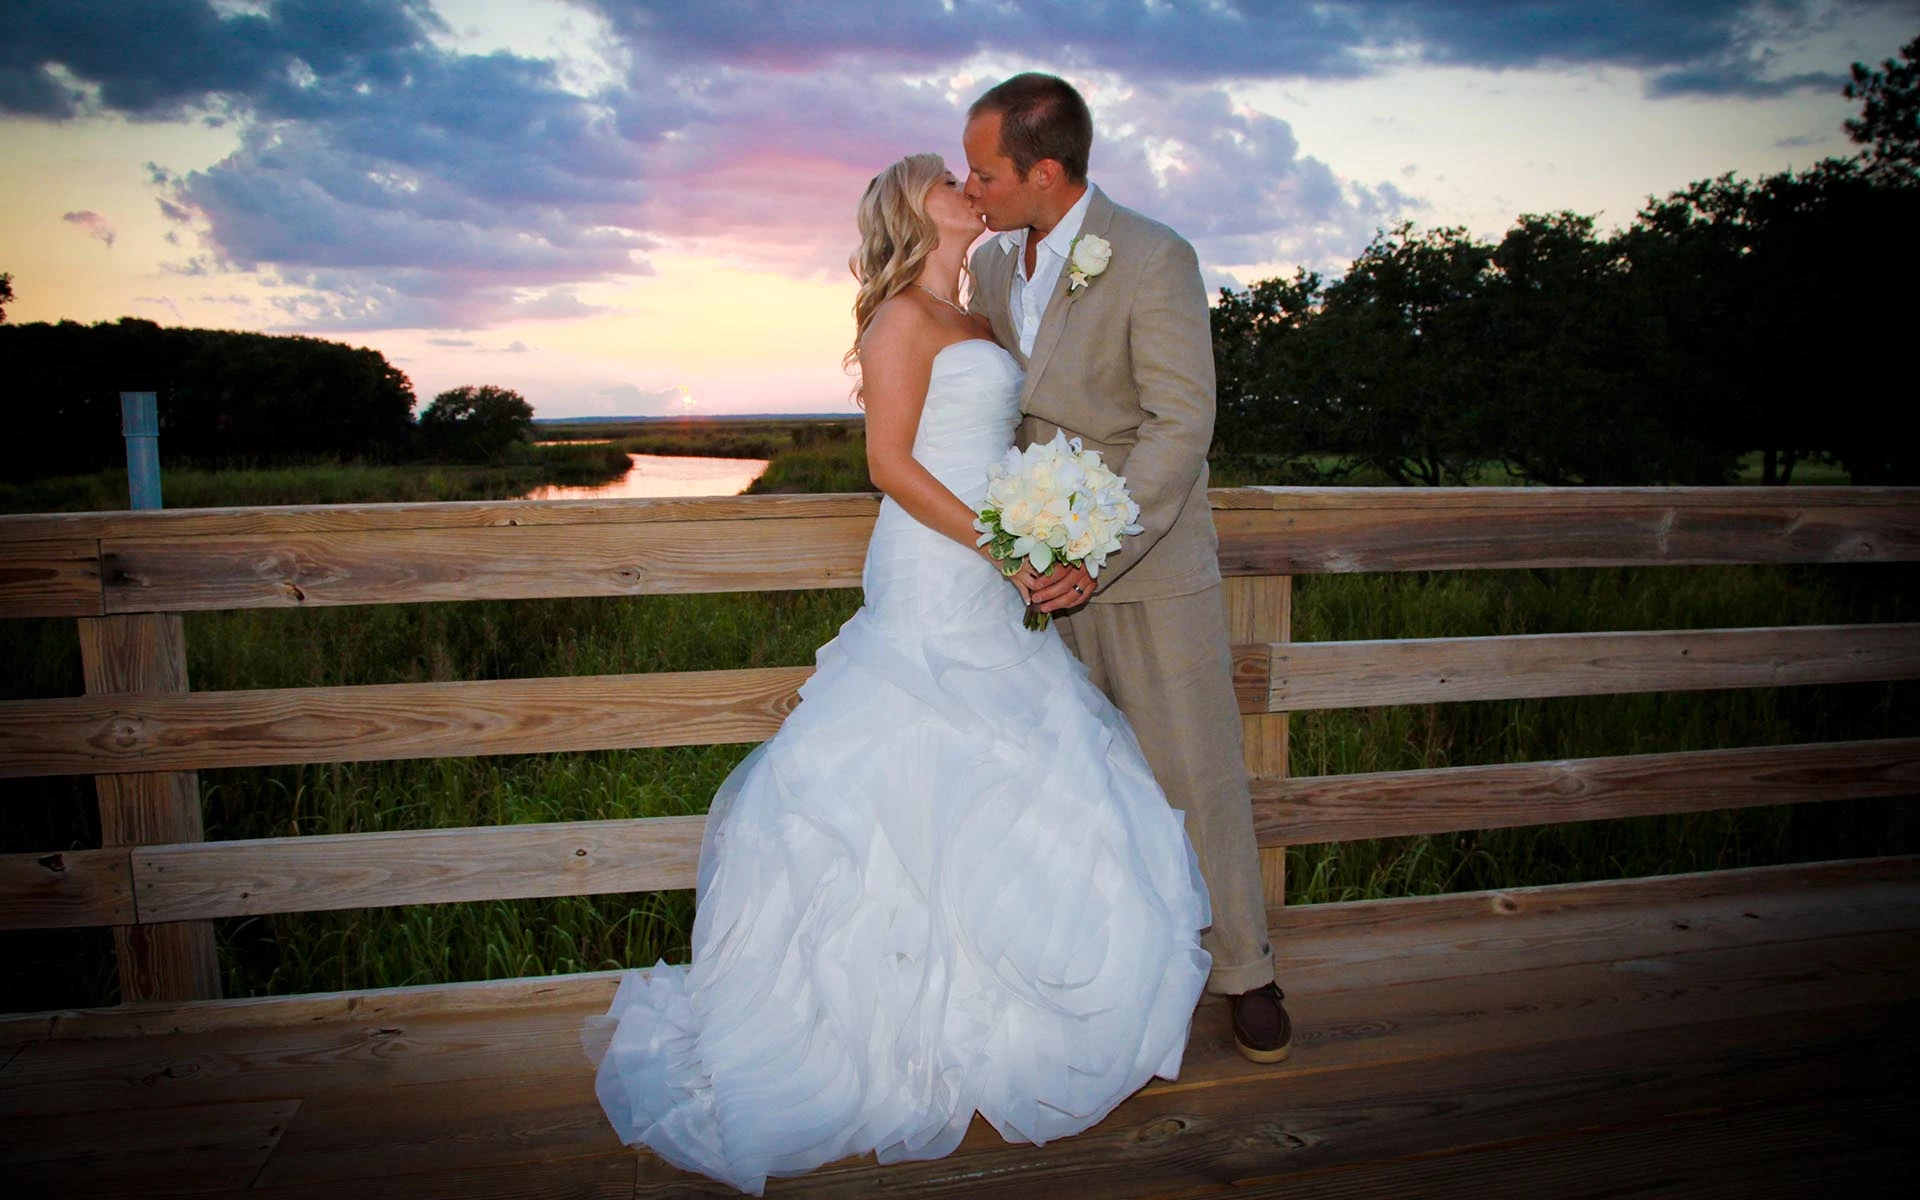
[
  {"x": 226, "y": 398},
  {"x": 1733, "y": 316}
]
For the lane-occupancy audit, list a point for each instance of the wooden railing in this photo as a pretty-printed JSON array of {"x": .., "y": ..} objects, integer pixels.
[{"x": 142, "y": 734}]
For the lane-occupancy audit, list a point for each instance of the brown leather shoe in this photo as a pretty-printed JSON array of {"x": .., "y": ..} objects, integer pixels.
[{"x": 1262, "y": 1031}]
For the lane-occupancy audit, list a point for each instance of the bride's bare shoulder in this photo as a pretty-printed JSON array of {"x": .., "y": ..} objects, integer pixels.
[{"x": 900, "y": 330}]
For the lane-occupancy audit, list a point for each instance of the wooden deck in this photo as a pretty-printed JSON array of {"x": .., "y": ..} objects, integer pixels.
[
  {"x": 1738, "y": 1033},
  {"x": 1741, "y": 1033}
]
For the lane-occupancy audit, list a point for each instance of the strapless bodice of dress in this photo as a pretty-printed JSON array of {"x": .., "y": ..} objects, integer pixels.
[{"x": 967, "y": 423}]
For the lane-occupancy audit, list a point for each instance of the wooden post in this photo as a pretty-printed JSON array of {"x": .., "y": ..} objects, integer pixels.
[
  {"x": 1260, "y": 609},
  {"x": 147, "y": 652}
]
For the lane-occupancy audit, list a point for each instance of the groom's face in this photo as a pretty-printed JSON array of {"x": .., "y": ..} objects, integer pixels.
[{"x": 994, "y": 188}]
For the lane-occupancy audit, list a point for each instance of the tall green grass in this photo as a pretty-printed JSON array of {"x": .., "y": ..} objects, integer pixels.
[
  {"x": 1447, "y": 604},
  {"x": 508, "y": 639}
]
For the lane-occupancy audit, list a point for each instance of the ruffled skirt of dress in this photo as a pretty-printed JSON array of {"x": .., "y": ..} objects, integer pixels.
[{"x": 948, "y": 884}]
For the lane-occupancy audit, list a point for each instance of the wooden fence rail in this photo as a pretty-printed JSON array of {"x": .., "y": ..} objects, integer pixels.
[{"x": 107, "y": 567}]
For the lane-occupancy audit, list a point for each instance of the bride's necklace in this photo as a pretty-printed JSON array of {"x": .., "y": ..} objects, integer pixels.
[{"x": 942, "y": 299}]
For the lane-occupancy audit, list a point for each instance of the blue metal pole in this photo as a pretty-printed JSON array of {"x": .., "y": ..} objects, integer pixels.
[{"x": 140, "y": 422}]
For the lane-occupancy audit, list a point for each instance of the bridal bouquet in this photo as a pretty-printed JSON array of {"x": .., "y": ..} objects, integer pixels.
[{"x": 1054, "y": 502}]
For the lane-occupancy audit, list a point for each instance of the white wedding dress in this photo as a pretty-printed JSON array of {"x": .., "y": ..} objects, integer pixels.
[{"x": 949, "y": 882}]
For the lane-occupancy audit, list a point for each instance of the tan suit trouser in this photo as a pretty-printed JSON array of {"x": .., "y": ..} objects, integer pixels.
[{"x": 1167, "y": 665}]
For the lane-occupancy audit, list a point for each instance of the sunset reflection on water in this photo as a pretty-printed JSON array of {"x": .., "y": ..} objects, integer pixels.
[{"x": 666, "y": 475}]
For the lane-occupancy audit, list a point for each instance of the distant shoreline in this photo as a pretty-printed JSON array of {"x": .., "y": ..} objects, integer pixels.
[{"x": 694, "y": 418}]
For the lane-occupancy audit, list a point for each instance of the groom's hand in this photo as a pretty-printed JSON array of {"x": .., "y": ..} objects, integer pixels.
[{"x": 1063, "y": 587}]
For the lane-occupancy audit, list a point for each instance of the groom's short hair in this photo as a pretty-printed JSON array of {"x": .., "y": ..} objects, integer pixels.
[{"x": 1041, "y": 116}]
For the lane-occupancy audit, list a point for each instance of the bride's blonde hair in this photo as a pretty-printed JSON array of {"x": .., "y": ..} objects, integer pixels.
[{"x": 896, "y": 236}]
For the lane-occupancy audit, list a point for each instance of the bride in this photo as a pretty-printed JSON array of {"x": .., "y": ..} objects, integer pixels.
[{"x": 949, "y": 883}]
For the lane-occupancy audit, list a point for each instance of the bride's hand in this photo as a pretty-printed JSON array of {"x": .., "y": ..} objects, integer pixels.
[{"x": 1026, "y": 579}]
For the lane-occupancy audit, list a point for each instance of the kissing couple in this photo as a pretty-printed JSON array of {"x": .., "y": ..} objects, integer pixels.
[{"x": 980, "y": 868}]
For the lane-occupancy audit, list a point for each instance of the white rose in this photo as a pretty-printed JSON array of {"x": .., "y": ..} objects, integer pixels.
[
  {"x": 1017, "y": 515},
  {"x": 1090, "y": 254}
]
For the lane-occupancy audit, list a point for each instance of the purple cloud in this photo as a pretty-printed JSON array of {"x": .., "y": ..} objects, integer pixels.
[{"x": 96, "y": 225}]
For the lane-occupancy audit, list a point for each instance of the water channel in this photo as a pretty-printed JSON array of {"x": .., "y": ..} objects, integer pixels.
[{"x": 666, "y": 475}]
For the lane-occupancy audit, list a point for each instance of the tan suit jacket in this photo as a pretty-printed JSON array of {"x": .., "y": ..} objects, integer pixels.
[{"x": 1126, "y": 365}]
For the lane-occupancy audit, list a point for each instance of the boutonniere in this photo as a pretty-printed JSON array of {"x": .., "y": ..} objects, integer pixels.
[{"x": 1087, "y": 256}]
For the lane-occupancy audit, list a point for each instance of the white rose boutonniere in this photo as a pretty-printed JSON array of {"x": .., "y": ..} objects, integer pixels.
[{"x": 1087, "y": 256}]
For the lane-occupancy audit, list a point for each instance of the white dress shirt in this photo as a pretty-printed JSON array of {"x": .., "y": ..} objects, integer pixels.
[{"x": 1027, "y": 302}]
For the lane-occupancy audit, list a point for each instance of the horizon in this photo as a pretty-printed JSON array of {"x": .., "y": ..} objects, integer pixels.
[{"x": 632, "y": 211}]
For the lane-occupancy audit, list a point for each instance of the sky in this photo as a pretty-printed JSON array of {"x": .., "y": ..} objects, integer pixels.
[{"x": 645, "y": 207}]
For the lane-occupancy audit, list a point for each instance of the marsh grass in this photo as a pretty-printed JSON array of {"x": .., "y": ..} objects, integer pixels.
[
  {"x": 302, "y": 952},
  {"x": 707, "y": 438},
  {"x": 831, "y": 466},
  {"x": 326, "y": 483}
]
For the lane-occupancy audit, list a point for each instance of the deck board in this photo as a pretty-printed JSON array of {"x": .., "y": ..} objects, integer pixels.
[
  {"x": 1661, "y": 1034},
  {"x": 1271, "y": 1128},
  {"x": 1753, "y": 1151}
]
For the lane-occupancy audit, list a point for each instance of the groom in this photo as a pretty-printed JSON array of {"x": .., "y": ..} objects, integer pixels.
[{"x": 1117, "y": 352}]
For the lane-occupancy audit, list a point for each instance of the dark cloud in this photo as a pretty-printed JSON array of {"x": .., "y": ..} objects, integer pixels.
[
  {"x": 1167, "y": 37},
  {"x": 156, "y": 58},
  {"x": 385, "y": 181},
  {"x": 1200, "y": 40},
  {"x": 1738, "y": 79}
]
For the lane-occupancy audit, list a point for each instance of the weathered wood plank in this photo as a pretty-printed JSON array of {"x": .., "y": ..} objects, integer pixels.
[
  {"x": 1251, "y": 685},
  {"x": 59, "y": 578},
  {"x": 1324, "y": 808},
  {"x": 147, "y": 654},
  {"x": 282, "y": 519},
  {"x": 1349, "y": 936},
  {"x": 1531, "y": 528},
  {"x": 379, "y": 1006},
  {"x": 74, "y": 735},
  {"x": 65, "y": 889},
  {"x": 1356, "y": 674},
  {"x": 345, "y": 1059},
  {"x": 1545, "y": 499},
  {"x": 143, "y": 1152},
  {"x": 428, "y": 866},
  {"x": 174, "y": 731},
  {"x": 467, "y": 514},
  {"x": 593, "y": 1177},
  {"x": 490, "y": 563},
  {"x": 1277, "y": 531},
  {"x": 1260, "y": 611},
  {"x": 415, "y": 1129},
  {"x": 1359, "y": 944},
  {"x": 1776, "y": 1151}
]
